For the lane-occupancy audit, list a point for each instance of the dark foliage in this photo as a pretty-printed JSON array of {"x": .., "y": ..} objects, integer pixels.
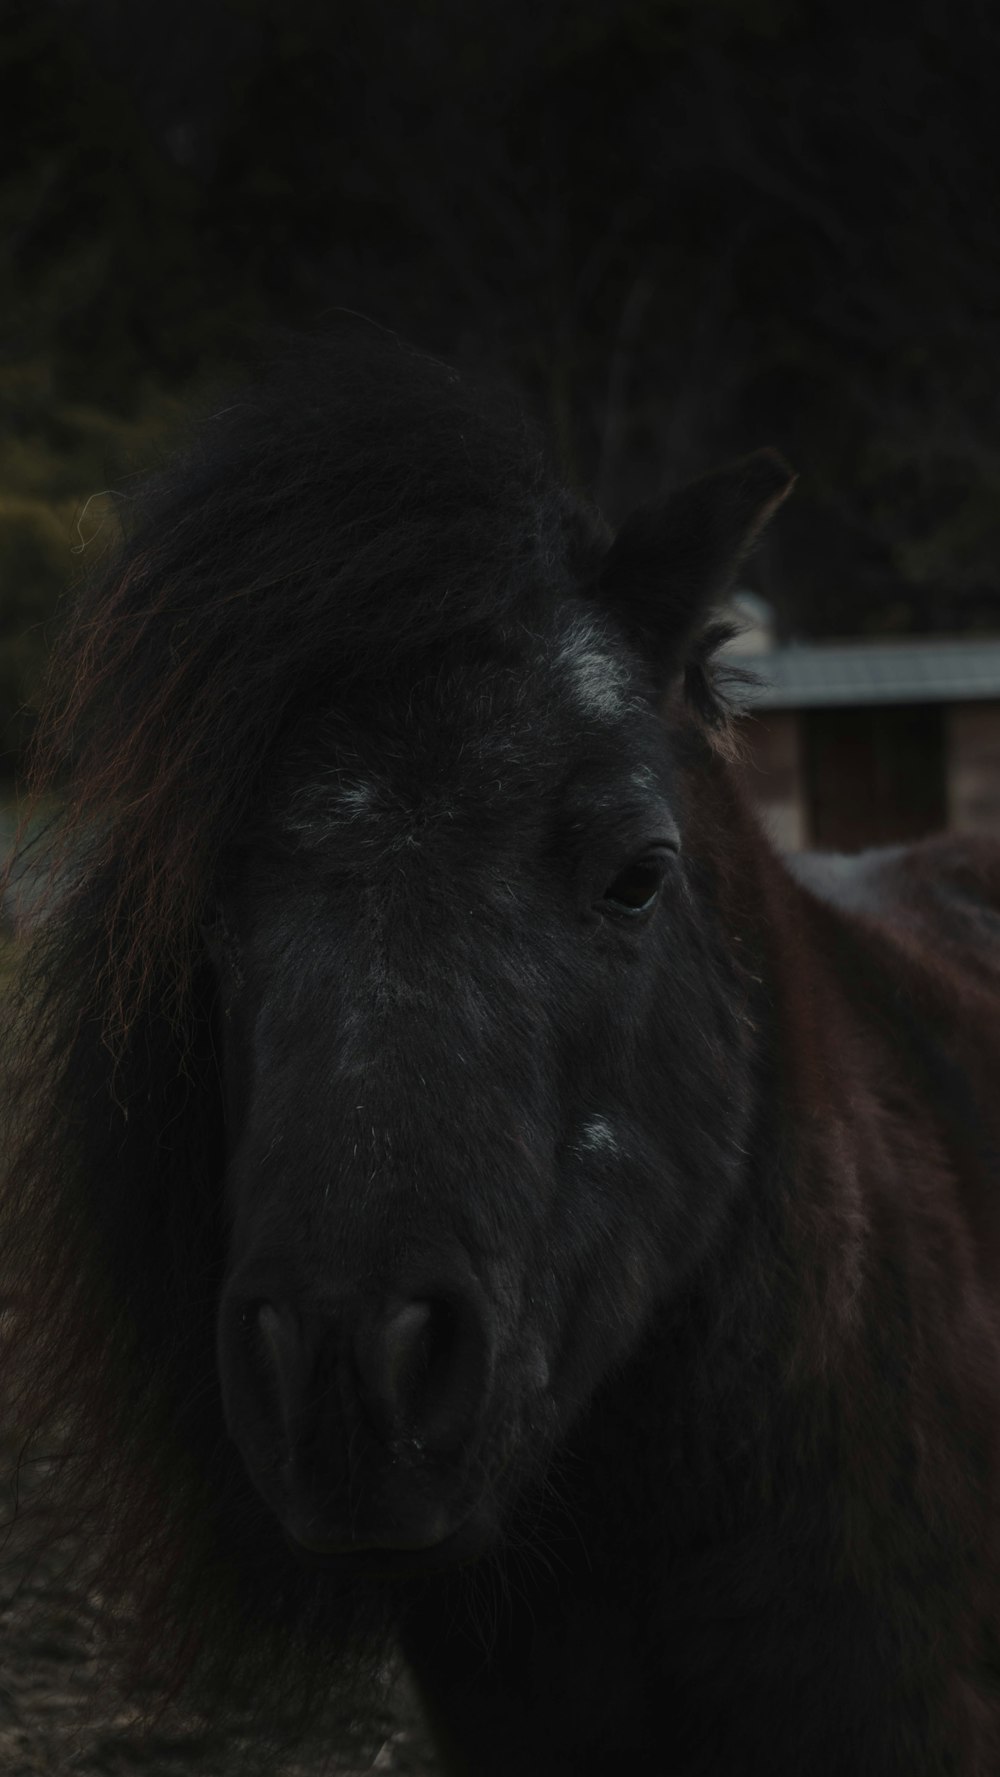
[
  {"x": 672, "y": 225},
  {"x": 426, "y": 1070}
]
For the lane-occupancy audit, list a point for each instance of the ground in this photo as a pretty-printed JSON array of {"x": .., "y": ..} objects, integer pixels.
[{"x": 57, "y": 1718}]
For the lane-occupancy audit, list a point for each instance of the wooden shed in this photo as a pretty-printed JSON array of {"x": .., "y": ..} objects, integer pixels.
[{"x": 856, "y": 743}]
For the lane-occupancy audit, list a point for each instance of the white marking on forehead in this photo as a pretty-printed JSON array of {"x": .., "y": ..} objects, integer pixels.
[
  {"x": 597, "y": 1137},
  {"x": 354, "y": 799},
  {"x": 644, "y": 778},
  {"x": 317, "y": 807},
  {"x": 599, "y": 681}
]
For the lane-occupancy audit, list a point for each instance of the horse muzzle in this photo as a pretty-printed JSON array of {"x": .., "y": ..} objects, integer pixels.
[{"x": 359, "y": 1419}]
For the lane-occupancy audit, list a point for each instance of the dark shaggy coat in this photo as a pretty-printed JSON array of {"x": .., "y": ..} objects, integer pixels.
[{"x": 465, "y": 1191}]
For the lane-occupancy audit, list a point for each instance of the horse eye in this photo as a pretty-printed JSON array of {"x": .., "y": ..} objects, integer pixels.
[{"x": 634, "y": 889}]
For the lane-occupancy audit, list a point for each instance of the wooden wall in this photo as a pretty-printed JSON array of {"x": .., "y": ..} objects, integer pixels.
[{"x": 807, "y": 797}]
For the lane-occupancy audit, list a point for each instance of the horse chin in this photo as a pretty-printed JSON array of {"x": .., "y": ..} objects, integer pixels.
[{"x": 474, "y": 1537}]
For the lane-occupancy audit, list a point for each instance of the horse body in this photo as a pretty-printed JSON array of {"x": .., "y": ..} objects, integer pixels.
[{"x": 482, "y": 1192}]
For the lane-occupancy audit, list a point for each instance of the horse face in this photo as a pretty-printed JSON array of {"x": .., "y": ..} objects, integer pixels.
[{"x": 475, "y": 1037}]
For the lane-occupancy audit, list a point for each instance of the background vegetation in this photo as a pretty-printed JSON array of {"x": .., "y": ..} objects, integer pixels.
[{"x": 683, "y": 227}]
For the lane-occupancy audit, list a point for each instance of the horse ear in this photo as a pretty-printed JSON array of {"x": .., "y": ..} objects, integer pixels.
[{"x": 673, "y": 559}]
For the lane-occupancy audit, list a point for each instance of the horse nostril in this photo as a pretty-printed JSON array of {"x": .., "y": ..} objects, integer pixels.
[
  {"x": 403, "y": 1357},
  {"x": 265, "y": 1362},
  {"x": 416, "y": 1371},
  {"x": 272, "y": 1333},
  {"x": 411, "y": 1370}
]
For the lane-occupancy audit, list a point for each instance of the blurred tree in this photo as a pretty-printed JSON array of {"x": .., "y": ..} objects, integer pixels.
[{"x": 683, "y": 227}]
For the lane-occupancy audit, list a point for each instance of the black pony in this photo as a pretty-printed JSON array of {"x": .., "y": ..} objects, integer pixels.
[{"x": 466, "y": 1192}]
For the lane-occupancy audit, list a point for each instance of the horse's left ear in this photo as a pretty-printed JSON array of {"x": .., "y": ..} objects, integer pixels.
[{"x": 674, "y": 559}]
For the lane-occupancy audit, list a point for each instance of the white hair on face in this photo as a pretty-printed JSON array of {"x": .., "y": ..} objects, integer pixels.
[
  {"x": 643, "y": 778},
  {"x": 318, "y": 808},
  {"x": 354, "y": 799},
  {"x": 597, "y": 1137},
  {"x": 600, "y": 683}
]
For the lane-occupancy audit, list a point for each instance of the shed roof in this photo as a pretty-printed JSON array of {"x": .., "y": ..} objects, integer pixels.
[{"x": 814, "y": 675}]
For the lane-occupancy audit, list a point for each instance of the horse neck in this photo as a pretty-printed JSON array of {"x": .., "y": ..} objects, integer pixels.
[{"x": 776, "y": 1294}]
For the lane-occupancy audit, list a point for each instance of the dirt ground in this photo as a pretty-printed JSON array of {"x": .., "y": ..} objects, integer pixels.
[{"x": 58, "y": 1717}]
